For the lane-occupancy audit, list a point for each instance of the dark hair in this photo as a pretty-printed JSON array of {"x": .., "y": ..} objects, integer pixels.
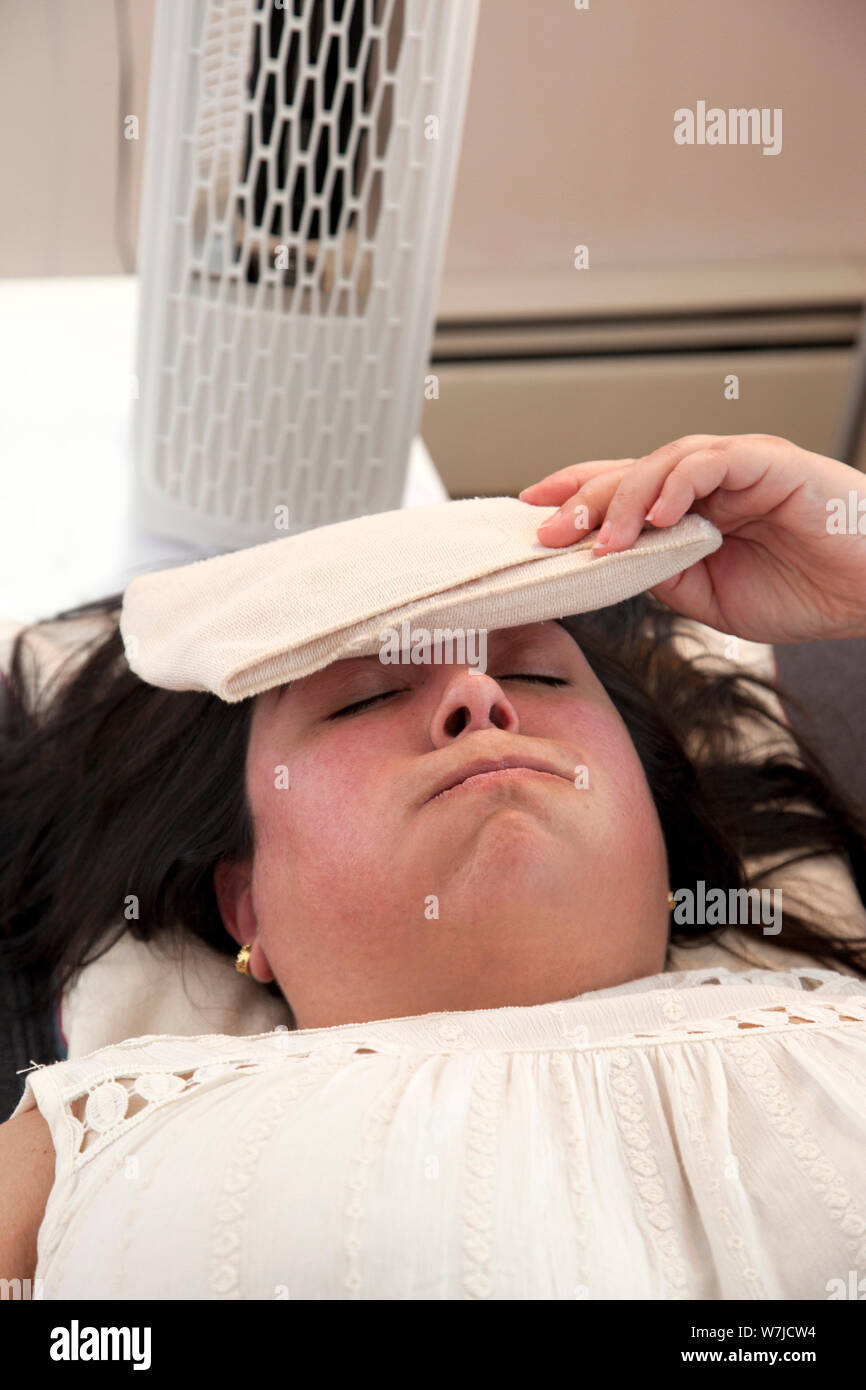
[{"x": 112, "y": 787}]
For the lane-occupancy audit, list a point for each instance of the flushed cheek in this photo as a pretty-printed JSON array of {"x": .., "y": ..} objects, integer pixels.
[
  {"x": 603, "y": 742},
  {"x": 324, "y": 808},
  {"x": 615, "y": 770}
]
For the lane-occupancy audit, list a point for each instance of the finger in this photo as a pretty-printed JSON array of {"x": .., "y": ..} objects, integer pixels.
[
  {"x": 556, "y": 488},
  {"x": 581, "y": 513},
  {"x": 617, "y": 501},
  {"x": 723, "y": 472},
  {"x": 626, "y": 513},
  {"x": 663, "y": 487},
  {"x": 644, "y": 480}
]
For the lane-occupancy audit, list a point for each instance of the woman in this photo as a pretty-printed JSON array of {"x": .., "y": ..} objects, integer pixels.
[{"x": 495, "y": 1088}]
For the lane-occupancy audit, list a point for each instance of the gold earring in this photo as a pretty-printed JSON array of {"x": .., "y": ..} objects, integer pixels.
[
  {"x": 672, "y": 900},
  {"x": 242, "y": 960}
]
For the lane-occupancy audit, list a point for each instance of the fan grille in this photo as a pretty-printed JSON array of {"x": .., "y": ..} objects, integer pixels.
[{"x": 293, "y": 226}]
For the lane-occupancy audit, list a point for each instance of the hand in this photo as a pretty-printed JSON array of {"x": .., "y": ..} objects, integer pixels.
[{"x": 787, "y": 570}]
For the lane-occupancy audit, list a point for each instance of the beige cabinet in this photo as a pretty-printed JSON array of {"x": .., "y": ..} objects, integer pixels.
[{"x": 704, "y": 261}]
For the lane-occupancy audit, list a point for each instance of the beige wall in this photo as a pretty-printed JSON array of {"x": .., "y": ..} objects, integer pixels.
[
  {"x": 60, "y": 133},
  {"x": 568, "y": 139}
]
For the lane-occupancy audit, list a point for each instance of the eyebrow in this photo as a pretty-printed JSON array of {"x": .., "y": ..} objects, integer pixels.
[
  {"x": 354, "y": 660},
  {"x": 505, "y": 639}
]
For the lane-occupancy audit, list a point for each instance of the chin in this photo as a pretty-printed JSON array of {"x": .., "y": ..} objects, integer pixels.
[
  {"x": 541, "y": 824},
  {"x": 514, "y": 845}
]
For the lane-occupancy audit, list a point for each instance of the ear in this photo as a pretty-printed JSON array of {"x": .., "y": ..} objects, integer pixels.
[{"x": 232, "y": 881}]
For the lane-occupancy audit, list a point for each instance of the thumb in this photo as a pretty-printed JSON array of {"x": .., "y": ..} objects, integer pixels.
[
  {"x": 666, "y": 591},
  {"x": 690, "y": 594}
]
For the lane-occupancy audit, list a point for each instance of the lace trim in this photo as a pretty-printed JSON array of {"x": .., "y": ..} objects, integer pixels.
[
  {"x": 485, "y": 1107},
  {"x": 769, "y": 1018},
  {"x": 238, "y": 1182},
  {"x": 112, "y": 1103},
  {"x": 372, "y": 1141},
  {"x": 648, "y": 1180},
  {"x": 719, "y": 1186},
  {"x": 131, "y": 1167},
  {"x": 787, "y": 1120},
  {"x": 577, "y": 1165}
]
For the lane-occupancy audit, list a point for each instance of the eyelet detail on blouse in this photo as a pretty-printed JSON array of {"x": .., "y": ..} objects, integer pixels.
[
  {"x": 160, "y": 1085},
  {"x": 106, "y": 1107}
]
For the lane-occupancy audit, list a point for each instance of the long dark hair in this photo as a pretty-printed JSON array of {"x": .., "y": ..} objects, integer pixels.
[{"x": 111, "y": 787}]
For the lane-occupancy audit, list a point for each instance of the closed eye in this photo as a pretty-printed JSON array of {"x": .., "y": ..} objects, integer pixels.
[
  {"x": 371, "y": 699},
  {"x": 547, "y": 680},
  {"x": 362, "y": 704}
]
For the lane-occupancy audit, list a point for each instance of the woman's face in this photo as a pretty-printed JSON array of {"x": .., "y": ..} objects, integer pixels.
[{"x": 369, "y": 896}]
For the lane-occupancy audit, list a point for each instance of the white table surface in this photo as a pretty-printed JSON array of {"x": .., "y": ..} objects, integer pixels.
[{"x": 67, "y": 389}]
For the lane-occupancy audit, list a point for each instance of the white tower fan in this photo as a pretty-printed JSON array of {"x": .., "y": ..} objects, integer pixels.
[{"x": 299, "y": 171}]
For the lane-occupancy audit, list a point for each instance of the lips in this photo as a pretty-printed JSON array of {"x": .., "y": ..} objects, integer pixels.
[{"x": 482, "y": 765}]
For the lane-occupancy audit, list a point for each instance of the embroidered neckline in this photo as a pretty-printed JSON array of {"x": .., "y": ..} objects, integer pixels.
[{"x": 117, "y": 1088}]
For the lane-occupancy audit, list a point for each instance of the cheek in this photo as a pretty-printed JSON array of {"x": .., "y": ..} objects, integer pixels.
[
  {"x": 316, "y": 804},
  {"x": 603, "y": 744},
  {"x": 322, "y": 842},
  {"x": 631, "y": 806}
]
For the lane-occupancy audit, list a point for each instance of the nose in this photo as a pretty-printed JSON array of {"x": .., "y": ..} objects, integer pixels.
[{"x": 471, "y": 700}]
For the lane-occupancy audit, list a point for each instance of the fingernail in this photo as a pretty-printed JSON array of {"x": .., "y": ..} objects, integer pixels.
[
  {"x": 604, "y": 535},
  {"x": 550, "y": 521}
]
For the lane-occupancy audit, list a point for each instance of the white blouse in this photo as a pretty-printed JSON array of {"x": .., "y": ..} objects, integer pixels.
[{"x": 693, "y": 1135}]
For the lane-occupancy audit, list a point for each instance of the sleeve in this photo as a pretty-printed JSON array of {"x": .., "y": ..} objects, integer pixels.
[{"x": 42, "y": 1092}]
